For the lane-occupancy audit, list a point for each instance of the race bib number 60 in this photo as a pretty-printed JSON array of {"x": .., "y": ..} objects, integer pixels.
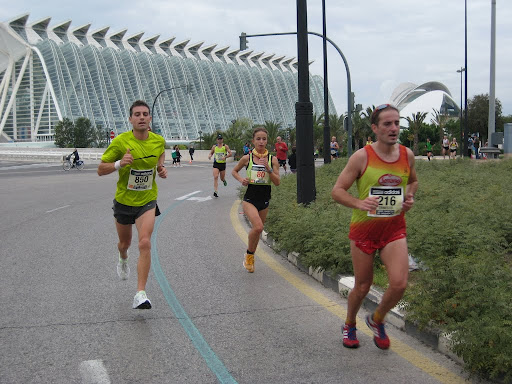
[
  {"x": 390, "y": 201},
  {"x": 140, "y": 180}
]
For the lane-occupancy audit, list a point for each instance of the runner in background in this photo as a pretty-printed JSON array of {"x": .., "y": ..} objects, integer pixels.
[{"x": 221, "y": 152}]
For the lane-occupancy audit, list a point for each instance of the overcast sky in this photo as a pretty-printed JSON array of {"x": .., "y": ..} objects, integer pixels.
[{"x": 385, "y": 43}]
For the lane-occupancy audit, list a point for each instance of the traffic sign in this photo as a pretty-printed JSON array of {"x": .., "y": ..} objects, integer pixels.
[{"x": 112, "y": 134}]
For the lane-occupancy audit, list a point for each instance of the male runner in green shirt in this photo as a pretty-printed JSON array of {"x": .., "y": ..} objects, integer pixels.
[{"x": 136, "y": 155}]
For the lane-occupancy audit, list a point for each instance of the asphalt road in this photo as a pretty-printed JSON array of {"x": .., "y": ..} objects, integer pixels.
[{"x": 67, "y": 318}]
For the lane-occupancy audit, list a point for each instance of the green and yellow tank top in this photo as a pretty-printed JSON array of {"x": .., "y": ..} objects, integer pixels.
[
  {"x": 220, "y": 154},
  {"x": 388, "y": 181},
  {"x": 259, "y": 188}
]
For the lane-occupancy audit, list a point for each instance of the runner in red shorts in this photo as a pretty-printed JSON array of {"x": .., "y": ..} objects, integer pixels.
[{"x": 386, "y": 182}]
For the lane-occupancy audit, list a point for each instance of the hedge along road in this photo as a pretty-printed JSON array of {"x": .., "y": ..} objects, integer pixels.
[{"x": 69, "y": 318}]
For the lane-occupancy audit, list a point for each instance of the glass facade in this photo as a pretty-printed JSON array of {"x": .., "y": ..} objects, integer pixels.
[{"x": 76, "y": 74}]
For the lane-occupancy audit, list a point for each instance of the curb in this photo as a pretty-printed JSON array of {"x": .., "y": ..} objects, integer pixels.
[{"x": 396, "y": 317}]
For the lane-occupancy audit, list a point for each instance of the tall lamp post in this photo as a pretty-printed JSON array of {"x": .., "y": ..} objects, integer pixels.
[
  {"x": 327, "y": 129},
  {"x": 187, "y": 86},
  {"x": 350, "y": 98},
  {"x": 306, "y": 191},
  {"x": 461, "y": 70},
  {"x": 200, "y": 138}
]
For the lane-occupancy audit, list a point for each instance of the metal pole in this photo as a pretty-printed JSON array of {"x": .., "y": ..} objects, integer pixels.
[
  {"x": 492, "y": 98},
  {"x": 304, "y": 113},
  {"x": 327, "y": 129},
  {"x": 466, "y": 129},
  {"x": 349, "y": 83},
  {"x": 159, "y": 93},
  {"x": 461, "y": 111}
]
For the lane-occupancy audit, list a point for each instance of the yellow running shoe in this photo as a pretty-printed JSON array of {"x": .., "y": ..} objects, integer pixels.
[{"x": 249, "y": 262}]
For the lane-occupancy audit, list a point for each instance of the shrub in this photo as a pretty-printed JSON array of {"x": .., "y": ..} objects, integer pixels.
[{"x": 459, "y": 228}]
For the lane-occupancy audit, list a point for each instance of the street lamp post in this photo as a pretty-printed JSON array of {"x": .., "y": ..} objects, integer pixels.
[
  {"x": 159, "y": 93},
  {"x": 461, "y": 70},
  {"x": 327, "y": 129},
  {"x": 306, "y": 192},
  {"x": 200, "y": 137},
  {"x": 350, "y": 104}
]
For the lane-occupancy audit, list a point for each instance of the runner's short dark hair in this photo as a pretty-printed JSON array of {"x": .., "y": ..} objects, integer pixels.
[{"x": 139, "y": 103}]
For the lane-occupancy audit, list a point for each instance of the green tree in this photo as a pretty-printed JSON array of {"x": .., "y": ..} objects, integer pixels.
[
  {"x": 80, "y": 134},
  {"x": 415, "y": 125},
  {"x": 272, "y": 128},
  {"x": 85, "y": 133},
  {"x": 318, "y": 131},
  {"x": 64, "y": 133},
  {"x": 336, "y": 125},
  {"x": 361, "y": 126},
  {"x": 478, "y": 116},
  {"x": 239, "y": 132},
  {"x": 209, "y": 140}
]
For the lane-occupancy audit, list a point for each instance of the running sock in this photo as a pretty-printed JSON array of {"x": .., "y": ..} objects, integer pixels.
[
  {"x": 250, "y": 253},
  {"x": 377, "y": 317},
  {"x": 350, "y": 323}
]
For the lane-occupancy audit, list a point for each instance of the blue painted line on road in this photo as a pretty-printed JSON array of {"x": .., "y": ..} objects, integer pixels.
[{"x": 213, "y": 362}]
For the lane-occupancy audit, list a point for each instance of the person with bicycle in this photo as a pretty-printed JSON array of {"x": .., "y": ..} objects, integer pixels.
[
  {"x": 138, "y": 156},
  {"x": 76, "y": 157}
]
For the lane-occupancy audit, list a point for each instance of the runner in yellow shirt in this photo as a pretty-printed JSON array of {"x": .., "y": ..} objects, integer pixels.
[{"x": 138, "y": 155}]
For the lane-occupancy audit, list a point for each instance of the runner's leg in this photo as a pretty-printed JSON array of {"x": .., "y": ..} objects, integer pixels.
[
  {"x": 145, "y": 224},
  {"x": 124, "y": 232},
  {"x": 396, "y": 259},
  {"x": 257, "y": 219},
  {"x": 363, "y": 274},
  {"x": 215, "y": 179}
]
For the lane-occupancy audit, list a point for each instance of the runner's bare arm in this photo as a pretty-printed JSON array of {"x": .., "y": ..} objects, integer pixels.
[
  {"x": 108, "y": 168},
  {"x": 412, "y": 185},
  {"x": 160, "y": 168},
  {"x": 241, "y": 164},
  {"x": 274, "y": 175},
  {"x": 354, "y": 168}
]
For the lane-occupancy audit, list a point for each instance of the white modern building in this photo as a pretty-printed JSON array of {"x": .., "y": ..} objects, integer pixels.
[{"x": 48, "y": 73}]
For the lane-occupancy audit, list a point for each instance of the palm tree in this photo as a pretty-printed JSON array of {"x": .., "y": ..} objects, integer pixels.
[
  {"x": 440, "y": 121},
  {"x": 361, "y": 127},
  {"x": 318, "y": 130},
  {"x": 414, "y": 127},
  {"x": 272, "y": 128}
]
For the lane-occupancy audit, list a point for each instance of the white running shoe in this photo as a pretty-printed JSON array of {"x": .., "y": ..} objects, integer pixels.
[
  {"x": 123, "y": 269},
  {"x": 141, "y": 301}
]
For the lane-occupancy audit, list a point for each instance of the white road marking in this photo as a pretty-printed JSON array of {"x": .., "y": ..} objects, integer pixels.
[
  {"x": 200, "y": 199},
  {"x": 187, "y": 196},
  {"x": 94, "y": 372},
  {"x": 56, "y": 209}
]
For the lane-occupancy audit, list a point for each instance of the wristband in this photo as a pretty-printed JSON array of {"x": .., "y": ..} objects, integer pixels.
[
  {"x": 270, "y": 170},
  {"x": 117, "y": 164}
]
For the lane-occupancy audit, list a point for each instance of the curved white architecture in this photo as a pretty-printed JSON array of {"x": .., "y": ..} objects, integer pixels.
[
  {"x": 407, "y": 93},
  {"x": 51, "y": 72}
]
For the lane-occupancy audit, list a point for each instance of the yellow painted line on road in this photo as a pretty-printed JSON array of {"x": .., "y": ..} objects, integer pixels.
[{"x": 417, "y": 359}]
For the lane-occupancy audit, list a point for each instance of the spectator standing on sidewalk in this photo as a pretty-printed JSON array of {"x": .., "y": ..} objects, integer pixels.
[
  {"x": 386, "y": 183},
  {"x": 191, "y": 151},
  {"x": 281, "y": 152},
  {"x": 476, "y": 145}
]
